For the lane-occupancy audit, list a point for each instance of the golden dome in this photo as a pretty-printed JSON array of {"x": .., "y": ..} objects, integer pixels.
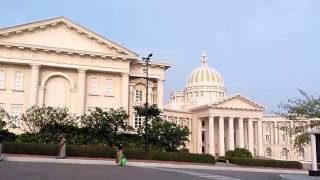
[{"x": 204, "y": 75}]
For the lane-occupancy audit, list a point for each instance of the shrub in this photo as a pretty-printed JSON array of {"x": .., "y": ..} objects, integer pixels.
[
  {"x": 104, "y": 152},
  {"x": 239, "y": 152},
  {"x": 90, "y": 151},
  {"x": 30, "y": 148},
  {"x": 221, "y": 159},
  {"x": 265, "y": 163}
]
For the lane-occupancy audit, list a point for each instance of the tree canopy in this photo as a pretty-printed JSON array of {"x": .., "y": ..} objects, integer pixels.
[
  {"x": 162, "y": 135},
  {"x": 109, "y": 125},
  {"x": 307, "y": 107}
]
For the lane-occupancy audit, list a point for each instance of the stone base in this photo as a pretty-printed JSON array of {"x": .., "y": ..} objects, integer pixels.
[{"x": 314, "y": 173}]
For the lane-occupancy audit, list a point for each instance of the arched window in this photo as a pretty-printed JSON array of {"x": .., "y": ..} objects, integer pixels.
[
  {"x": 301, "y": 154},
  {"x": 268, "y": 152},
  {"x": 284, "y": 153}
]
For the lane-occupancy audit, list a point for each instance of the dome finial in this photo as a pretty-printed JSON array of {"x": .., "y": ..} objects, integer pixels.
[{"x": 204, "y": 58}]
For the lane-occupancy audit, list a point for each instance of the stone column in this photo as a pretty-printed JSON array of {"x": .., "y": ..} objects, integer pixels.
[
  {"x": 260, "y": 140},
  {"x": 194, "y": 134},
  {"x": 81, "y": 90},
  {"x": 250, "y": 136},
  {"x": 314, "y": 152},
  {"x": 211, "y": 136},
  {"x": 221, "y": 137},
  {"x": 231, "y": 134},
  {"x": 276, "y": 132},
  {"x": 131, "y": 110},
  {"x": 34, "y": 84},
  {"x": 292, "y": 137},
  {"x": 125, "y": 91},
  {"x": 41, "y": 95},
  {"x": 160, "y": 93},
  {"x": 199, "y": 135},
  {"x": 241, "y": 134}
]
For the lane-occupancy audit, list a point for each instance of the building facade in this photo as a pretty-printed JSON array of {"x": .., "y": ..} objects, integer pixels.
[
  {"x": 57, "y": 62},
  {"x": 220, "y": 122}
]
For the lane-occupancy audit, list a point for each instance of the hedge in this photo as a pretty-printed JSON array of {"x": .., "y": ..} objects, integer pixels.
[
  {"x": 104, "y": 152},
  {"x": 265, "y": 163}
]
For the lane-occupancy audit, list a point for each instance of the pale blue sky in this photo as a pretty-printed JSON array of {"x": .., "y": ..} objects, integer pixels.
[{"x": 264, "y": 49}]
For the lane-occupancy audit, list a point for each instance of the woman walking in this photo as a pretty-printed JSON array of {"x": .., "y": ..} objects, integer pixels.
[{"x": 120, "y": 160}]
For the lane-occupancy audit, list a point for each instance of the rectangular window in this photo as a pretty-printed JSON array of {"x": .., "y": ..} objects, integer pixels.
[
  {"x": 203, "y": 123},
  {"x": 203, "y": 136},
  {"x": 283, "y": 137},
  {"x": 94, "y": 86},
  {"x": 18, "y": 81},
  {"x": 2, "y": 79},
  {"x": 139, "y": 97},
  {"x": 15, "y": 111},
  {"x": 267, "y": 138},
  {"x": 109, "y": 87},
  {"x": 138, "y": 121}
]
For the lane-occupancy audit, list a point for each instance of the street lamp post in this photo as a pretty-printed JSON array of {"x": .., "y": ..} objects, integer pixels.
[{"x": 147, "y": 59}]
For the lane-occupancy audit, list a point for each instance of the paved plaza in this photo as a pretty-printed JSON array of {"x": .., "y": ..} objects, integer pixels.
[
  {"x": 47, "y": 168},
  {"x": 62, "y": 171}
]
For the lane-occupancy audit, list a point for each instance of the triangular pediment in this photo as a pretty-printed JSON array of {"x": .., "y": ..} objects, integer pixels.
[
  {"x": 61, "y": 33},
  {"x": 237, "y": 102}
]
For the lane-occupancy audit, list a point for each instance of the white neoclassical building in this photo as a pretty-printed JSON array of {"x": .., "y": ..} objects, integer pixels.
[
  {"x": 57, "y": 62},
  {"x": 221, "y": 122}
]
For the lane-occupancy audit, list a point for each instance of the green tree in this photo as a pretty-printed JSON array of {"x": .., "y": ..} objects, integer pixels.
[
  {"x": 3, "y": 116},
  {"x": 4, "y": 132},
  {"x": 307, "y": 107},
  {"x": 109, "y": 125},
  {"x": 161, "y": 134},
  {"x": 46, "y": 119}
]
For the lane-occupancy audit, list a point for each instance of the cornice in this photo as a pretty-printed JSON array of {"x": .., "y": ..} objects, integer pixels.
[
  {"x": 174, "y": 110},
  {"x": 47, "y": 49},
  {"x": 226, "y": 108},
  {"x": 61, "y": 65},
  {"x": 152, "y": 64}
]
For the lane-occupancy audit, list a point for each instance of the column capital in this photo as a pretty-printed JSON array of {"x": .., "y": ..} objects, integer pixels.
[
  {"x": 35, "y": 66},
  {"x": 82, "y": 70},
  {"x": 124, "y": 74}
]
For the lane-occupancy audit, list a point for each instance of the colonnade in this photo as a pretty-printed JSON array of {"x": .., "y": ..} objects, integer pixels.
[{"x": 232, "y": 139}]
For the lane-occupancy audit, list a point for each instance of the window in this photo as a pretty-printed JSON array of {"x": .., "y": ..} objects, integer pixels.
[
  {"x": 93, "y": 86},
  {"x": 109, "y": 87},
  {"x": 268, "y": 152},
  {"x": 203, "y": 136},
  {"x": 202, "y": 150},
  {"x": 267, "y": 138},
  {"x": 203, "y": 123},
  {"x": 15, "y": 111},
  {"x": 284, "y": 153},
  {"x": 2, "y": 79},
  {"x": 138, "y": 121},
  {"x": 18, "y": 81},
  {"x": 301, "y": 154},
  {"x": 283, "y": 137},
  {"x": 139, "y": 96}
]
